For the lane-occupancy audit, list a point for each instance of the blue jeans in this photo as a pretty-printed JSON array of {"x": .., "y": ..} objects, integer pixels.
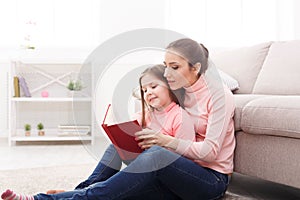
[
  {"x": 157, "y": 173},
  {"x": 109, "y": 164}
]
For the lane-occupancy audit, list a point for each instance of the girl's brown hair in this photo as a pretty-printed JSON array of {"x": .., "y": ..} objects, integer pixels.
[
  {"x": 158, "y": 71},
  {"x": 192, "y": 51}
]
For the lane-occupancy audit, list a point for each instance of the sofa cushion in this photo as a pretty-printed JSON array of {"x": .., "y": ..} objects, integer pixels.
[
  {"x": 272, "y": 115},
  {"x": 243, "y": 64},
  {"x": 229, "y": 81},
  {"x": 240, "y": 101},
  {"x": 280, "y": 71}
]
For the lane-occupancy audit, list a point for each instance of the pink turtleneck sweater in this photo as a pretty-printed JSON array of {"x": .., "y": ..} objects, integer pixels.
[
  {"x": 173, "y": 121},
  {"x": 210, "y": 105}
]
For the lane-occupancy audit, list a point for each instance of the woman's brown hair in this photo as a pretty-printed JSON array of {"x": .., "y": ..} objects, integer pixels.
[{"x": 192, "y": 51}]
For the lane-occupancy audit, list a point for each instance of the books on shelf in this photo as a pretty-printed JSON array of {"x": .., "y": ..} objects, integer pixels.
[
  {"x": 23, "y": 85},
  {"x": 16, "y": 86},
  {"x": 73, "y": 130},
  {"x": 20, "y": 82}
]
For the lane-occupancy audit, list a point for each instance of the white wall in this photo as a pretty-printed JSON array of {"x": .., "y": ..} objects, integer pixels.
[
  {"x": 4, "y": 67},
  {"x": 119, "y": 16},
  {"x": 297, "y": 18}
]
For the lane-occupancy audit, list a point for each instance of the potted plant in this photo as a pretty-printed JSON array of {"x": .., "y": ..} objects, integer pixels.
[
  {"x": 27, "y": 128},
  {"x": 74, "y": 85},
  {"x": 40, "y": 128},
  {"x": 71, "y": 85}
]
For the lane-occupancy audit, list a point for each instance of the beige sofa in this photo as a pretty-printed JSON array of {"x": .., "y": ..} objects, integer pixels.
[{"x": 267, "y": 116}]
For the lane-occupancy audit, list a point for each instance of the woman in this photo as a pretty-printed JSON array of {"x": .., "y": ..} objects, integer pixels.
[{"x": 175, "y": 168}]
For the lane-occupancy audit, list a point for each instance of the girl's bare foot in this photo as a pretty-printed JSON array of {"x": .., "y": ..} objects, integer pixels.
[{"x": 55, "y": 191}]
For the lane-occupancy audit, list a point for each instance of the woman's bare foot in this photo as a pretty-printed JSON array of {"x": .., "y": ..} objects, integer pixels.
[{"x": 54, "y": 191}]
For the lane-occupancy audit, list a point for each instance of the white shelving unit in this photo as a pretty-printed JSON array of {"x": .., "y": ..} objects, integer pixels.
[
  {"x": 63, "y": 99},
  {"x": 59, "y": 108}
]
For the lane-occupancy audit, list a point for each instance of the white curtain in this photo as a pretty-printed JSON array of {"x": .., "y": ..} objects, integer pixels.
[
  {"x": 233, "y": 22},
  {"x": 70, "y": 23}
]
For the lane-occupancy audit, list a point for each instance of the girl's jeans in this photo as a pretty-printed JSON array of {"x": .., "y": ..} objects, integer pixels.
[{"x": 157, "y": 173}]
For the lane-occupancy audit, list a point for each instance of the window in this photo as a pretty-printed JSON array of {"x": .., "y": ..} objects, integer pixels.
[
  {"x": 68, "y": 23},
  {"x": 57, "y": 23},
  {"x": 233, "y": 22}
]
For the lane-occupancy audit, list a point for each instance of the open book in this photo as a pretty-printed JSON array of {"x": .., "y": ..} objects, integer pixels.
[{"x": 122, "y": 137}]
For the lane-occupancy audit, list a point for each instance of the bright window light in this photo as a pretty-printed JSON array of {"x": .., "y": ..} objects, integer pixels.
[
  {"x": 49, "y": 23},
  {"x": 69, "y": 23},
  {"x": 233, "y": 22}
]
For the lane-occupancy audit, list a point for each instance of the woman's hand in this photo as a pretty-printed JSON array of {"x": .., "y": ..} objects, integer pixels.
[{"x": 148, "y": 138}]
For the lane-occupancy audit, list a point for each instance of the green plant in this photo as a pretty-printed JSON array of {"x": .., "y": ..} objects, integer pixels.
[
  {"x": 70, "y": 85},
  {"x": 40, "y": 126},
  {"x": 75, "y": 85},
  {"x": 27, "y": 127}
]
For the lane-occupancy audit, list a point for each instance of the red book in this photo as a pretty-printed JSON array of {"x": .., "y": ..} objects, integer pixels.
[{"x": 122, "y": 137}]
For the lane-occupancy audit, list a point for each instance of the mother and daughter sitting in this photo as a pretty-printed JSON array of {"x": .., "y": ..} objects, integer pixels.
[{"x": 188, "y": 137}]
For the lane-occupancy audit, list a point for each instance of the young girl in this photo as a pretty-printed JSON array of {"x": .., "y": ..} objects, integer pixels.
[{"x": 161, "y": 112}]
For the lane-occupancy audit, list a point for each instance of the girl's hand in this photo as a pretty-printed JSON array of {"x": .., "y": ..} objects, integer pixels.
[{"x": 148, "y": 138}]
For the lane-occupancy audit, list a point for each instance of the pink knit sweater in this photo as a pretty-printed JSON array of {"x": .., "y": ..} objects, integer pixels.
[
  {"x": 173, "y": 121},
  {"x": 211, "y": 106}
]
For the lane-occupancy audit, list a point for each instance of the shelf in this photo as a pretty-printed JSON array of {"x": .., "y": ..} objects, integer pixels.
[
  {"x": 50, "y": 138},
  {"x": 51, "y": 99},
  {"x": 60, "y": 107},
  {"x": 50, "y": 135}
]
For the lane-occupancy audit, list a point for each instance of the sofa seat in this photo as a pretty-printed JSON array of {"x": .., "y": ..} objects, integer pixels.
[
  {"x": 268, "y": 132},
  {"x": 272, "y": 115}
]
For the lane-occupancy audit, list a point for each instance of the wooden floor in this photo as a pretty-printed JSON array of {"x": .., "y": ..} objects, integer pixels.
[{"x": 243, "y": 187}]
